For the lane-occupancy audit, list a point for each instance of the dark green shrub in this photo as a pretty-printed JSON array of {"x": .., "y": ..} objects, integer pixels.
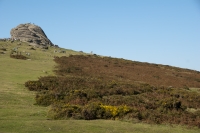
[
  {"x": 91, "y": 94},
  {"x": 91, "y": 111},
  {"x": 170, "y": 103},
  {"x": 33, "y": 85},
  {"x": 44, "y": 99},
  {"x": 64, "y": 111}
]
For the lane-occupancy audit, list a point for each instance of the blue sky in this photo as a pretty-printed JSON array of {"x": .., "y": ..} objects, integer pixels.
[{"x": 155, "y": 31}]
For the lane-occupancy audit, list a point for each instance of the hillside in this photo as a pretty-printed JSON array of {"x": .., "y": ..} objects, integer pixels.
[
  {"x": 19, "y": 114},
  {"x": 130, "y": 71},
  {"x": 93, "y": 87}
]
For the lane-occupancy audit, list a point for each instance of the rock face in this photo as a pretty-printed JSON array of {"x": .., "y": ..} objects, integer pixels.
[{"x": 30, "y": 33}]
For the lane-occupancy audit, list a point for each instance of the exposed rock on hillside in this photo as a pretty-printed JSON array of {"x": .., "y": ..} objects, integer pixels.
[{"x": 30, "y": 33}]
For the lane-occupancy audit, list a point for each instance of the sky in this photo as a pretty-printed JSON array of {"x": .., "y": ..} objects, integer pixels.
[{"x": 155, "y": 31}]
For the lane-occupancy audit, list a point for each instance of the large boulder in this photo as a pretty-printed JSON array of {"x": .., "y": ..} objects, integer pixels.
[{"x": 30, "y": 33}]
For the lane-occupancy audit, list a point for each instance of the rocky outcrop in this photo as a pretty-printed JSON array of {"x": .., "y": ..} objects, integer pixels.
[{"x": 30, "y": 33}]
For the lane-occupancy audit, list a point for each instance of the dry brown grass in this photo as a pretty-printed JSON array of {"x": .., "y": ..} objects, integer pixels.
[{"x": 130, "y": 71}]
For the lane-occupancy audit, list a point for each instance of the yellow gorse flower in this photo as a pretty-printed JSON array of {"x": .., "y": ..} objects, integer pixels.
[{"x": 115, "y": 110}]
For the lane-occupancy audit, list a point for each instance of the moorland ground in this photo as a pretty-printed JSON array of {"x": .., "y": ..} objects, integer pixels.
[{"x": 19, "y": 114}]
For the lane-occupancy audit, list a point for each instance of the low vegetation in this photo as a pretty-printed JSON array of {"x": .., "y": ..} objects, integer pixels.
[
  {"x": 19, "y": 57},
  {"x": 92, "y": 87},
  {"x": 19, "y": 113}
]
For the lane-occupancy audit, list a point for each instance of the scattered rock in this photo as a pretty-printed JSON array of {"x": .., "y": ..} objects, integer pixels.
[
  {"x": 3, "y": 49},
  {"x": 62, "y": 51},
  {"x": 32, "y": 48},
  {"x": 56, "y": 46},
  {"x": 2, "y": 52},
  {"x": 44, "y": 47},
  {"x": 19, "y": 44}
]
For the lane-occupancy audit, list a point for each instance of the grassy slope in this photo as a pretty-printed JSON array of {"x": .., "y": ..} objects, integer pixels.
[{"x": 19, "y": 114}]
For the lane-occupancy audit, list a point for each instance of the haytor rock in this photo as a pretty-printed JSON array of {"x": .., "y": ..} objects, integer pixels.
[{"x": 30, "y": 33}]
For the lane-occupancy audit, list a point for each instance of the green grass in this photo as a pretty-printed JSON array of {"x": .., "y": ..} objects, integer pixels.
[
  {"x": 18, "y": 114},
  {"x": 79, "y": 126},
  {"x": 195, "y": 89}
]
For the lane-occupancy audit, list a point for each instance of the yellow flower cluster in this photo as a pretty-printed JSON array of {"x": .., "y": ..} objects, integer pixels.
[{"x": 115, "y": 110}]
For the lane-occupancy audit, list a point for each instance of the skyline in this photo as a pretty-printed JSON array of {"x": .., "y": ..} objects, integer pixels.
[{"x": 160, "y": 32}]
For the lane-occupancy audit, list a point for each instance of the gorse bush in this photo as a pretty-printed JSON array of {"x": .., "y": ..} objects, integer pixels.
[
  {"x": 34, "y": 85},
  {"x": 90, "y": 111},
  {"x": 64, "y": 111},
  {"x": 85, "y": 89},
  {"x": 115, "y": 111}
]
